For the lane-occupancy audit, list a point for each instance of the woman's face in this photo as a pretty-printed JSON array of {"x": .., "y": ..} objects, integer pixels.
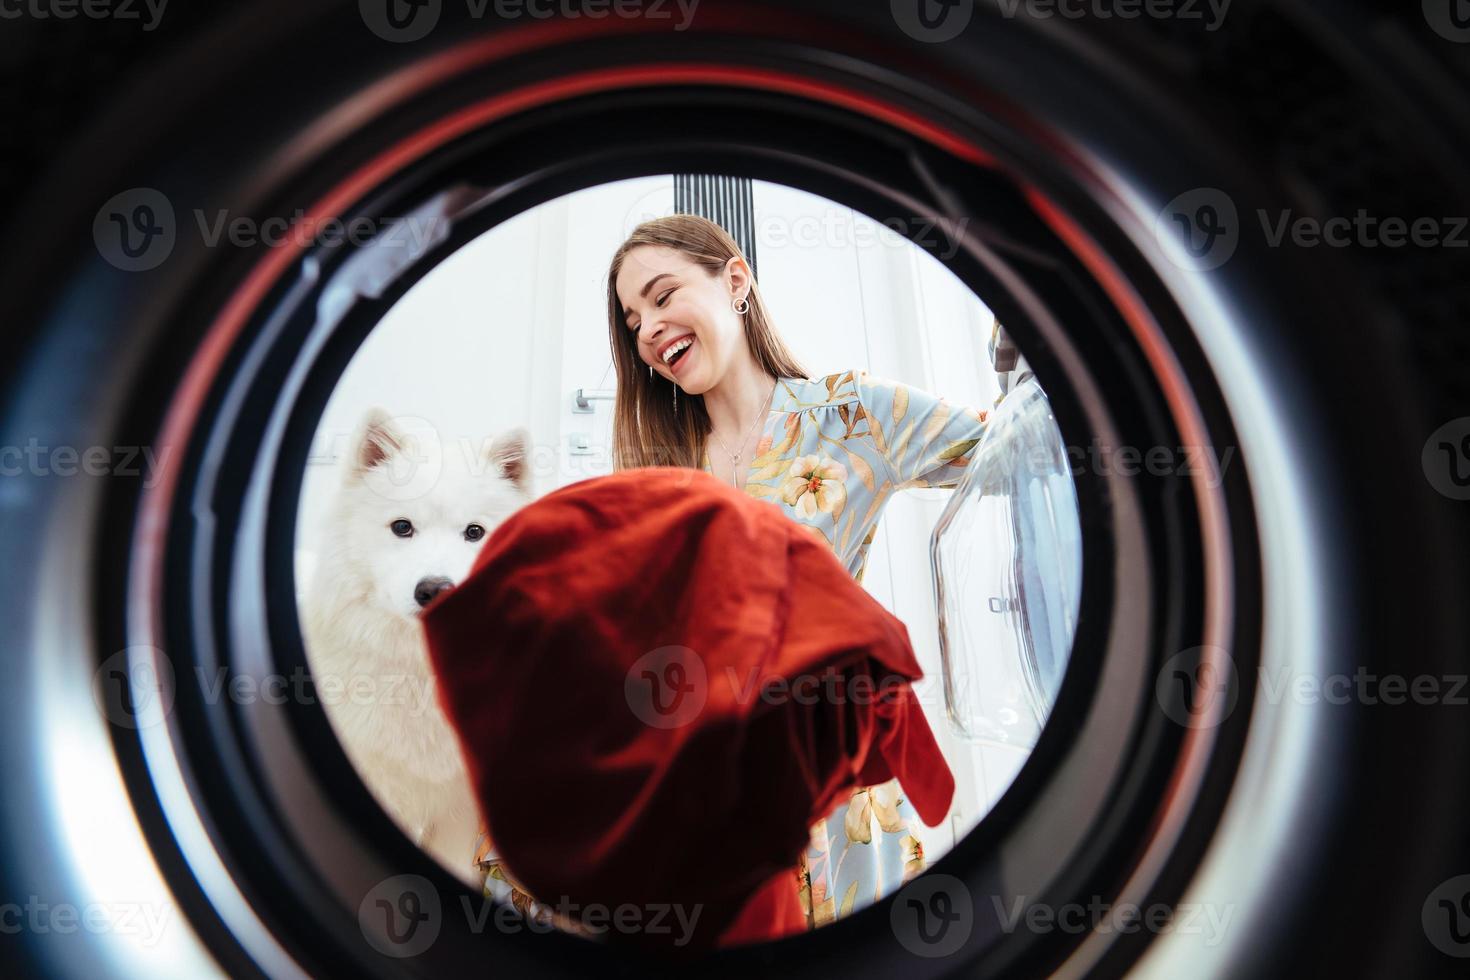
[{"x": 668, "y": 299}]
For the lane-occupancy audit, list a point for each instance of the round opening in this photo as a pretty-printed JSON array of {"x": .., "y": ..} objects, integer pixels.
[
  {"x": 1205, "y": 238},
  {"x": 500, "y": 352},
  {"x": 1099, "y": 750},
  {"x": 1075, "y": 810}
]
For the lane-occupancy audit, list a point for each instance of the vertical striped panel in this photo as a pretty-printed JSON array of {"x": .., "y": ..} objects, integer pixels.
[{"x": 727, "y": 201}]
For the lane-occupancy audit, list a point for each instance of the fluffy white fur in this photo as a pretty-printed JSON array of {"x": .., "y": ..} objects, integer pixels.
[{"x": 364, "y": 640}]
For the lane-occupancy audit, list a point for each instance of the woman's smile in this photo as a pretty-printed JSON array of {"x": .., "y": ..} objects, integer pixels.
[{"x": 680, "y": 362}]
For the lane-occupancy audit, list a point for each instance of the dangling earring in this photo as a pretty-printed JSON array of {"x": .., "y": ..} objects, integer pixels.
[
  {"x": 676, "y": 398},
  {"x": 740, "y": 306},
  {"x": 650, "y": 372}
]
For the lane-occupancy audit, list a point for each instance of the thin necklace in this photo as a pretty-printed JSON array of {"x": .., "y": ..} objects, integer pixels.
[{"x": 735, "y": 457}]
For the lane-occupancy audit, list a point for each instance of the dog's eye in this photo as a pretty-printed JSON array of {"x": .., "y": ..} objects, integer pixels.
[
  {"x": 474, "y": 532},
  {"x": 402, "y": 528}
]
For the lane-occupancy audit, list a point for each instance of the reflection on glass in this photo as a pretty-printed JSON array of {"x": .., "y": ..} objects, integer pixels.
[{"x": 1007, "y": 555}]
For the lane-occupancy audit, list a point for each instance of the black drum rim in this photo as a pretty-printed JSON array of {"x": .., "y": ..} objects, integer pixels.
[{"x": 836, "y": 936}]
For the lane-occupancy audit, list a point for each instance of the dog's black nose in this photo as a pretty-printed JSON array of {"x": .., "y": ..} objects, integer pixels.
[{"x": 428, "y": 588}]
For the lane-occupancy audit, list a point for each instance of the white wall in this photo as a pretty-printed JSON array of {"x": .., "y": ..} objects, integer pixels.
[{"x": 506, "y": 330}]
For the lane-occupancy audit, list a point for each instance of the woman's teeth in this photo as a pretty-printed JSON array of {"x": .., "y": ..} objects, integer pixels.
[{"x": 675, "y": 348}]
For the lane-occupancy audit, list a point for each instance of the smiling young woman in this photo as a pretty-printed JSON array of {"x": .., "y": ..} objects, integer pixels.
[
  {"x": 699, "y": 363},
  {"x": 680, "y": 281}
]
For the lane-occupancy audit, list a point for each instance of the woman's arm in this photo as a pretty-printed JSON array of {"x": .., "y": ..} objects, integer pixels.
[{"x": 926, "y": 440}]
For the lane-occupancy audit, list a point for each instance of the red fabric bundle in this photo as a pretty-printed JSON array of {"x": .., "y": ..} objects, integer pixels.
[{"x": 660, "y": 683}]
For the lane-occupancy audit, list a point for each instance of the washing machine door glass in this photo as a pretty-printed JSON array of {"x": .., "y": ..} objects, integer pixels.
[{"x": 1007, "y": 556}]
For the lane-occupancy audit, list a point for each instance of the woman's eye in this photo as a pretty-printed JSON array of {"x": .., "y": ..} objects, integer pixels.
[
  {"x": 402, "y": 528},
  {"x": 474, "y": 532},
  {"x": 664, "y": 297}
]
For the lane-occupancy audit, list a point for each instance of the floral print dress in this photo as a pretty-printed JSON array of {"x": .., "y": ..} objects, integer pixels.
[{"x": 832, "y": 452}]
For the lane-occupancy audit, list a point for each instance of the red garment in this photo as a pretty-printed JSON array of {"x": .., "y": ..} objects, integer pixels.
[{"x": 604, "y": 663}]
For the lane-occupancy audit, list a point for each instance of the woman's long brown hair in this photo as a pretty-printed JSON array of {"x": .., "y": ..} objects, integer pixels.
[{"x": 646, "y": 432}]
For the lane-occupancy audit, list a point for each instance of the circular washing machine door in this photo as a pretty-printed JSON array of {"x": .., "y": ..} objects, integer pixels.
[
  {"x": 1007, "y": 554},
  {"x": 1250, "y": 763}
]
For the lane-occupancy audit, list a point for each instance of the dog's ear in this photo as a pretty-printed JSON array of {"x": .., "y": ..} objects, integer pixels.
[
  {"x": 378, "y": 440},
  {"x": 510, "y": 453}
]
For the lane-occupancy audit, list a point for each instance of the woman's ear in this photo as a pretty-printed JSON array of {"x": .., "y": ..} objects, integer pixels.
[{"x": 737, "y": 277}]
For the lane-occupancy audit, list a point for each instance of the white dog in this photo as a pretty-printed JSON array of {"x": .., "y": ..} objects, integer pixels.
[{"x": 408, "y": 519}]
